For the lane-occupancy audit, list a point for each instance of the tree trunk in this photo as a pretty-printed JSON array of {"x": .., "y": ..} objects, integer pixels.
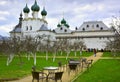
[
  {"x": 67, "y": 55},
  {"x": 75, "y": 52},
  {"x": 61, "y": 52},
  {"x": 46, "y": 55},
  {"x": 54, "y": 55},
  {"x": 28, "y": 56},
  {"x": 20, "y": 58},
  {"x": 35, "y": 59},
  {"x": 9, "y": 59},
  {"x": 80, "y": 52}
]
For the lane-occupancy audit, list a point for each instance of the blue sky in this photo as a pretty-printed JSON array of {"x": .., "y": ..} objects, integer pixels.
[{"x": 75, "y": 12}]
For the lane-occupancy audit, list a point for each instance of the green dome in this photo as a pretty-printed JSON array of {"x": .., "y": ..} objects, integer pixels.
[
  {"x": 58, "y": 25},
  {"x": 35, "y": 7},
  {"x": 63, "y": 21},
  {"x": 67, "y": 25},
  {"x": 43, "y": 12},
  {"x": 26, "y": 9}
]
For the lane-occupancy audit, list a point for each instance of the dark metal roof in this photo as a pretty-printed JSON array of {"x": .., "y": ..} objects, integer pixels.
[
  {"x": 17, "y": 28},
  {"x": 43, "y": 28}
]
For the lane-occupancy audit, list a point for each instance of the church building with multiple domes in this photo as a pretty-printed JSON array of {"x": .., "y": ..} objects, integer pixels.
[{"x": 94, "y": 34}]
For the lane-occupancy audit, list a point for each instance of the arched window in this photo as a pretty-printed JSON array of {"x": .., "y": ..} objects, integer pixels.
[
  {"x": 76, "y": 28},
  {"x": 53, "y": 30},
  {"x": 61, "y": 28},
  {"x": 101, "y": 28},
  {"x": 97, "y": 25},
  {"x": 30, "y": 27},
  {"x": 26, "y": 28},
  {"x": 83, "y": 29},
  {"x": 65, "y": 30},
  {"x": 87, "y": 26}
]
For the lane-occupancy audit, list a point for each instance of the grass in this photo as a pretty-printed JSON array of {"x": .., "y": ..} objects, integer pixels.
[
  {"x": 107, "y": 54},
  {"x": 72, "y": 54},
  {"x": 102, "y": 71},
  {"x": 18, "y": 70},
  {"x": 110, "y": 54}
]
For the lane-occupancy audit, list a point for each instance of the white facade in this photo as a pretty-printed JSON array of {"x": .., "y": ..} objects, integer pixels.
[{"x": 94, "y": 34}]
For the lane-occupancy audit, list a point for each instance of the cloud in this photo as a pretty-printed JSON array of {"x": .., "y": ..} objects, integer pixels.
[
  {"x": 5, "y": 29},
  {"x": 52, "y": 23},
  {"x": 2, "y": 19},
  {"x": 4, "y": 13},
  {"x": 3, "y": 3},
  {"x": 75, "y": 11}
]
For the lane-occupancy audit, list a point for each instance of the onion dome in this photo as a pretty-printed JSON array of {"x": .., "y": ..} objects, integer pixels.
[
  {"x": 26, "y": 9},
  {"x": 35, "y": 7},
  {"x": 67, "y": 25},
  {"x": 58, "y": 25},
  {"x": 63, "y": 21},
  {"x": 43, "y": 12}
]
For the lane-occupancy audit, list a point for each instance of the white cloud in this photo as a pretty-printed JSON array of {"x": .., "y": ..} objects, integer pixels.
[
  {"x": 52, "y": 23},
  {"x": 4, "y": 13},
  {"x": 5, "y": 29},
  {"x": 2, "y": 19},
  {"x": 75, "y": 11},
  {"x": 107, "y": 21},
  {"x": 3, "y": 2}
]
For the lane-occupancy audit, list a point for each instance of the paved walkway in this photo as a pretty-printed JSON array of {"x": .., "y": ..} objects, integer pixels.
[{"x": 66, "y": 77}]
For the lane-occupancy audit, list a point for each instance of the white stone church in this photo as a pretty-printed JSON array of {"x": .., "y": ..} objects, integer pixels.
[{"x": 94, "y": 34}]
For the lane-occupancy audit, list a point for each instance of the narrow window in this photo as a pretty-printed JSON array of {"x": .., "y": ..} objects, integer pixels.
[
  {"x": 83, "y": 29},
  {"x": 65, "y": 30},
  {"x": 30, "y": 27},
  {"x": 97, "y": 26},
  {"x": 87, "y": 26},
  {"x": 26, "y": 28},
  {"x": 61, "y": 28},
  {"x": 101, "y": 28},
  {"x": 53, "y": 30},
  {"x": 76, "y": 28}
]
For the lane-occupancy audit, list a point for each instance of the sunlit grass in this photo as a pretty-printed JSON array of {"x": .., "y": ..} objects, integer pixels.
[
  {"x": 18, "y": 70},
  {"x": 111, "y": 54},
  {"x": 102, "y": 71}
]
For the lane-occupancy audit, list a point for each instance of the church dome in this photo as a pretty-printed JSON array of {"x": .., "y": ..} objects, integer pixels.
[
  {"x": 26, "y": 9},
  {"x": 35, "y": 7},
  {"x": 58, "y": 25},
  {"x": 67, "y": 25},
  {"x": 43, "y": 12},
  {"x": 63, "y": 21}
]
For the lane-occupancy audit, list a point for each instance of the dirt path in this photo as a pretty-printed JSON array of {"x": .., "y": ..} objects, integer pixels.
[{"x": 66, "y": 77}]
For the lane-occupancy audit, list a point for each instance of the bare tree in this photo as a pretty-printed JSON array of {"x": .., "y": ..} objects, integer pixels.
[
  {"x": 76, "y": 46},
  {"x": 10, "y": 48},
  {"x": 30, "y": 47},
  {"x": 67, "y": 47},
  {"x": 81, "y": 45},
  {"x": 48, "y": 43},
  {"x": 55, "y": 49},
  {"x": 113, "y": 45}
]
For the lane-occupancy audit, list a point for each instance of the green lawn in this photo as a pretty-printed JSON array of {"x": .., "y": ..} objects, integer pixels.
[
  {"x": 110, "y": 54},
  {"x": 72, "y": 54},
  {"x": 17, "y": 70},
  {"x": 102, "y": 71}
]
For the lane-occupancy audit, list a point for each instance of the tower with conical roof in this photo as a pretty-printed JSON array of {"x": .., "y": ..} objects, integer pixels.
[
  {"x": 20, "y": 19},
  {"x": 35, "y": 9}
]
